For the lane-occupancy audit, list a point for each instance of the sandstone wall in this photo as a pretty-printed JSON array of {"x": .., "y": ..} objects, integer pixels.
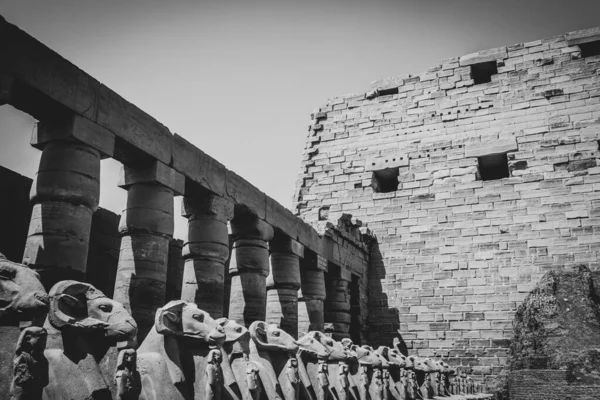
[{"x": 457, "y": 253}]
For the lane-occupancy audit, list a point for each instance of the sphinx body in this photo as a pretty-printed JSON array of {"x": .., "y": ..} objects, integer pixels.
[
  {"x": 22, "y": 298},
  {"x": 274, "y": 353},
  {"x": 83, "y": 327},
  {"x": 166, "y": 357}
]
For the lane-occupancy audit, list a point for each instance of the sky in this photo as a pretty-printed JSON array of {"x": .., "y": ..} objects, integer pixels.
[{"x": 239, "y": 78}]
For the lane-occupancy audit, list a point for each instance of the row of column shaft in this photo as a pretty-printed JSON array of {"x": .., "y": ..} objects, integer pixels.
[{"x": 267, "y": 280}]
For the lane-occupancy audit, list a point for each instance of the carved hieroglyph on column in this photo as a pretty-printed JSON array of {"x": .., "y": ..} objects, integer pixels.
[
  {"x": 283, "y": 283},
  {"x": 64, "y": 195},
  {"x": 249, "y": 267},
  {"x": 147, "y": 227},
  {"x": 206, "y": 250},
  {"x": 312, "y": 297}
]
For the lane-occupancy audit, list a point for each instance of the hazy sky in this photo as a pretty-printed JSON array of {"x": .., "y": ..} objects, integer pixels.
[{"x": 239, "y": 79}]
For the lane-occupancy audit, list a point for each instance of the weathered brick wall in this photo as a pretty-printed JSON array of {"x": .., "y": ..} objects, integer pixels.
[{"x": 456, "y": 254}]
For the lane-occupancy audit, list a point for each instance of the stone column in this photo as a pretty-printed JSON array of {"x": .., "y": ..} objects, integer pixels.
[
  {"x": 338, "y": 302},
  {"x": 147, "y": 228},
  {"x": 249, "y": 268},
  {"x": 312, "y": 296},
  {"x": 65, "y": 193},
  {"x": 283, "y": 283},
  {"x": 205, "y": 250}
]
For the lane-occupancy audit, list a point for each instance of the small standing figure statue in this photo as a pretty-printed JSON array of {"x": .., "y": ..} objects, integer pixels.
[
  {"x": 470, "y": 386},
  {"x": 441, "y": 387},
  {"x": 414, "y": 385},
  {"x": 403, "y": 384},
  {"x": 323, "y": 370},
  {"x": 292, "y": 371},
  {"x": 364, "y": 375},
  {"x": 252, "y": 380},
  {"x": 378, "y": 380},
  {"x": 343, "y": 380},
  {"x": 30, "y": 367},
  {"x": 386, "y": 383},
  {"x": 214, "y": 375},
  {"x": 128, "y": 379},
  {"x": 463, "y": 383}
]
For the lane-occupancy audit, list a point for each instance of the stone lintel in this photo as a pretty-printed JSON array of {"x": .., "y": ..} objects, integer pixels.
[
  {"x": 498, "y": 53},
  {"x": 583, "y": 36},
  {"x": 493, "y": 147},
  {"x": 207, "y": 205},
  {"x": 41, "y": 68},
  {"x": 282, "y": 218},
  {"x": 75, "y": 128},
  {"x": 242, "y": 192},
  {"x": 389, "y": 161},
  {"x": 322, "y": 263},
  {"x": 247, "y": 227},
  {"x": 284, "y": 244},
  {"x": 133, "y": 126},
  {"x": 345, "y": 275},
  {"x": 198, "y": 166},
  {"x": 345, "y": 256},
  {"x": 156, "y": 172}
]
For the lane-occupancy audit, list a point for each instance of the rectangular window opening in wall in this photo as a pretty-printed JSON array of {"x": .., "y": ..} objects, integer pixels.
[
  {"x": 482, "y": 72},
  {"x": 387, "y": 92},
  {"x": 492, "y": 167},
  {"x": 385, "y": 180},
  {"x": 590, "y": 49}
]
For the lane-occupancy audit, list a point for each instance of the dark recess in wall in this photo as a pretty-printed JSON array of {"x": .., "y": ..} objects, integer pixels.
[
  {"x": 590, "y": 49},
  {"x": 385, "y": 180},
  {"x": 15, "y": 212},
  {"x": 493, "y": 166},
  {"x": 482, "y": 72}
]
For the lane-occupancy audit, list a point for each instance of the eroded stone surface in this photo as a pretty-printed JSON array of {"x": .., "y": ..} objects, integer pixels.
[{"x": 558, "y": 326}]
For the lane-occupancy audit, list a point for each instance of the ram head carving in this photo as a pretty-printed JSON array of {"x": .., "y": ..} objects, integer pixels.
[{"x": 80, "y": 306}]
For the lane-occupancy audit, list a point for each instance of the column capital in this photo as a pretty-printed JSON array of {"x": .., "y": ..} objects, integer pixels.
[
  {"x": 210, "y": 204},
  {"x": 75, "y": 128},
  {"x": 155, "y": 172}
]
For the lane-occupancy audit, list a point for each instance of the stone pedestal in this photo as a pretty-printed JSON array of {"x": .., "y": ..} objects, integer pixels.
[
  {"x": 205, "y": 250},
  {"x": 147, "y": 228},
  {"x": 65, "y": 193},
  {"x": 249, "y": 268},
  {"x": 283, "y": 283},
  {"x": 312, "y": 297}
]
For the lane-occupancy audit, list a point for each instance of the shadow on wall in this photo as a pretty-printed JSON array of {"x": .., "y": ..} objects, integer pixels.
[
  {"x": 384, "y": 322},
  {"x": 15, "y": 212}
]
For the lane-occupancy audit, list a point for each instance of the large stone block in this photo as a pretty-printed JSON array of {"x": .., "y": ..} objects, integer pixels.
[{"x": 558, "y": 326}]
